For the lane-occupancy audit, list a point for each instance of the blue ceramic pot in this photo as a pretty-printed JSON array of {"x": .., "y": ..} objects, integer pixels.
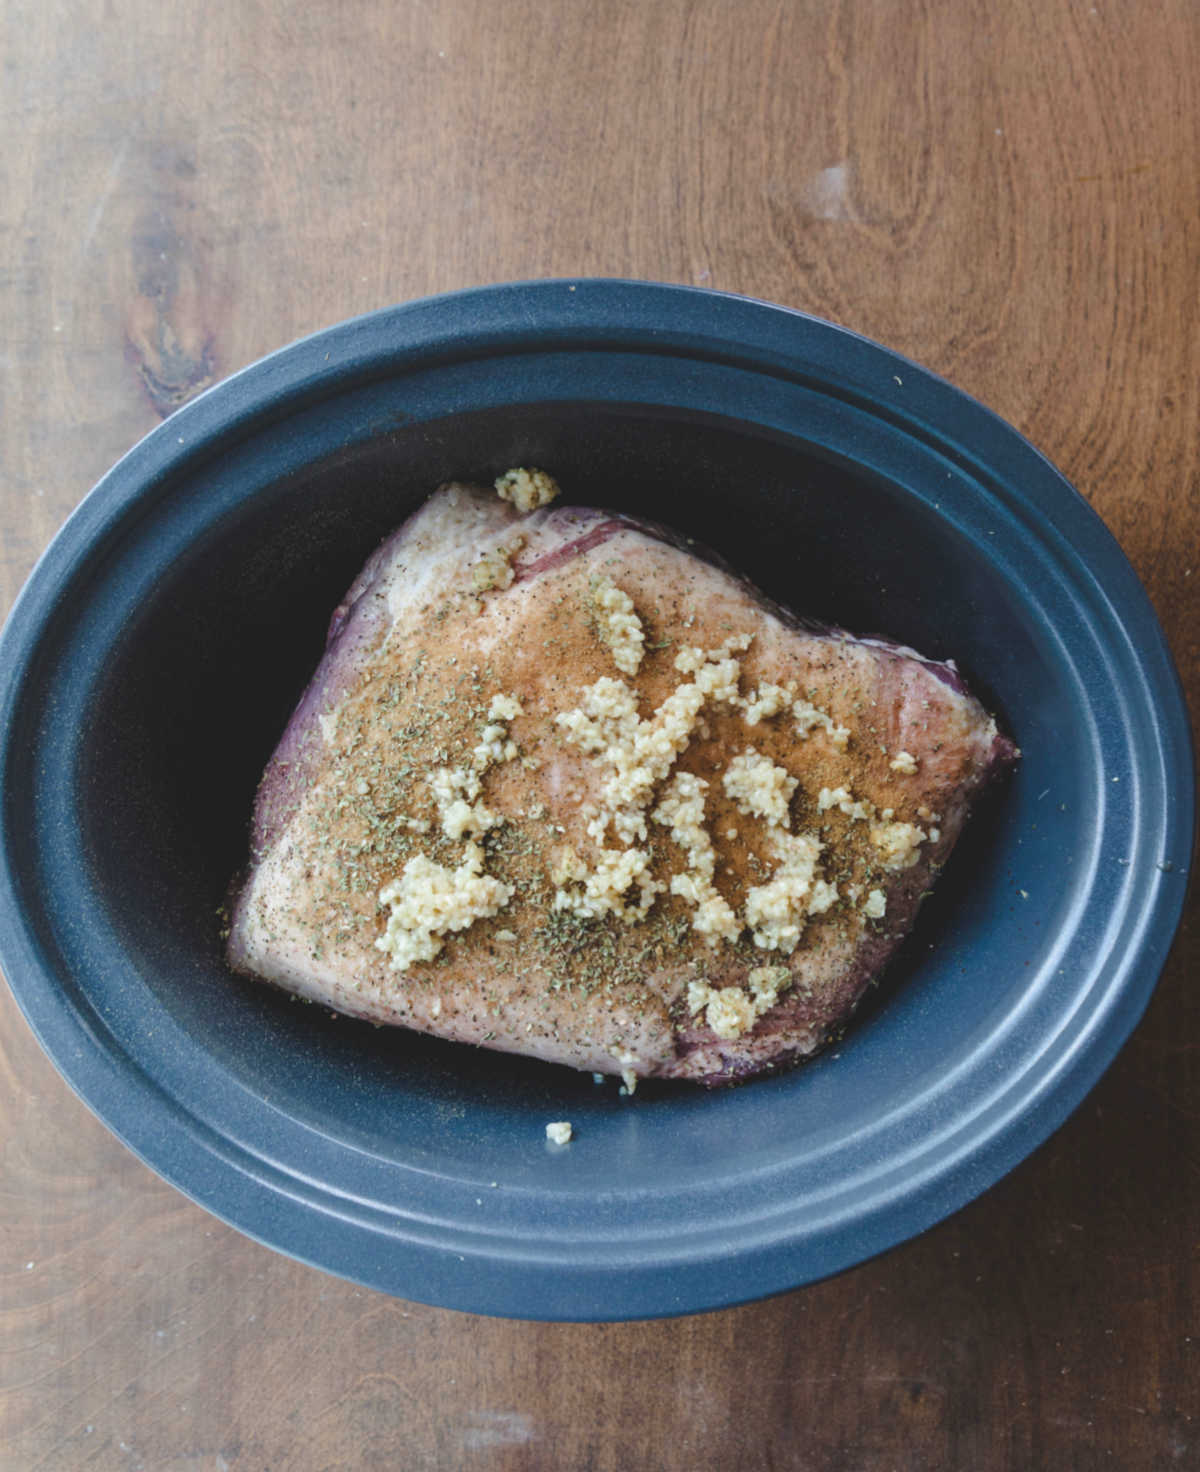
[{"x": 149, "y": 666}]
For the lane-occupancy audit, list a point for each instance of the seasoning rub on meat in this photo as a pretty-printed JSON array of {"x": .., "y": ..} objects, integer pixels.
[{"x": 561, "y": 787}]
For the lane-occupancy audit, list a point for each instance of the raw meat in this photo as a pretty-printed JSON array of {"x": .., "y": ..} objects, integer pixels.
[{"x": 562, "y": 788}]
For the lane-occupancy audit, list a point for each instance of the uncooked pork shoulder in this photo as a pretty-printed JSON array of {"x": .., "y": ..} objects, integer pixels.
[{"x": 561, "y": 787}]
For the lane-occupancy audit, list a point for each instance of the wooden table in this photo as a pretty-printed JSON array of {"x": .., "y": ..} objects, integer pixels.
[{"x": 1008, "y": 192}]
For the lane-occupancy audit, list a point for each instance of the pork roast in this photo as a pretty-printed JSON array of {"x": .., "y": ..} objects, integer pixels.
[{"x": 562, "y": 787}]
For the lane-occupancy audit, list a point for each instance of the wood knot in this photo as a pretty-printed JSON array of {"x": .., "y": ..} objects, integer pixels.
[{"x": 169, "y": 336}]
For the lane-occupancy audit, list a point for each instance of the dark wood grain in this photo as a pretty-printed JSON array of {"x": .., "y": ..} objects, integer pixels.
[{"x": 1009, "y": 193}]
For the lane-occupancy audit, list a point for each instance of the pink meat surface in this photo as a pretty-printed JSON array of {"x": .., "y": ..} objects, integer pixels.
[{"x": 874, "y": 752}]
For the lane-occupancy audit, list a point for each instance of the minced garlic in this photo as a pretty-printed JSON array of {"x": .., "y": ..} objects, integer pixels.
[
  {"x": 682, "y": 810},
  {"x": 776, "y": 912},
  {"x": 843, "y": 799},
  {"x": 428, "y": 900},
  {"x": 618, "y": 625},
  {"x": 899, "y": 844},
  {"x": 494, "y": 568},
  {"x": 566, "y": 865},
  {"x": 809, "y": 716},
  {"x": 504, "y": 708},
  {"x": 629, "y": 1078},
  {"x": 876, "y": 905},
  {"x": 456, "y": 791},
  {"x": 718, "y": 679},
  {"x": 759, "y": 788},
  {"x": 692, "y": 658},
  {"x": 528, "y": 489},
  {"x": 636, "y": 754},
  {"x": 606, "y": 886},
  {"x": 768, "y": 700},
  {"x": 728, "y": 1010},
  {"x": 904, "y": 762},
  {"x": 495, "y": 746},
  {"x": 697, "y": 996},
  {"x": 766, "y": 982},
  {"x": 559, "y": 1132},
  {"x": 714, "y": 918},
  {"x": 462, "y": 820}
]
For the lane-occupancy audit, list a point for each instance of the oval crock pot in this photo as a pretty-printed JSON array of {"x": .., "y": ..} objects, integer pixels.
[{"x": 150, "y": 663}]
